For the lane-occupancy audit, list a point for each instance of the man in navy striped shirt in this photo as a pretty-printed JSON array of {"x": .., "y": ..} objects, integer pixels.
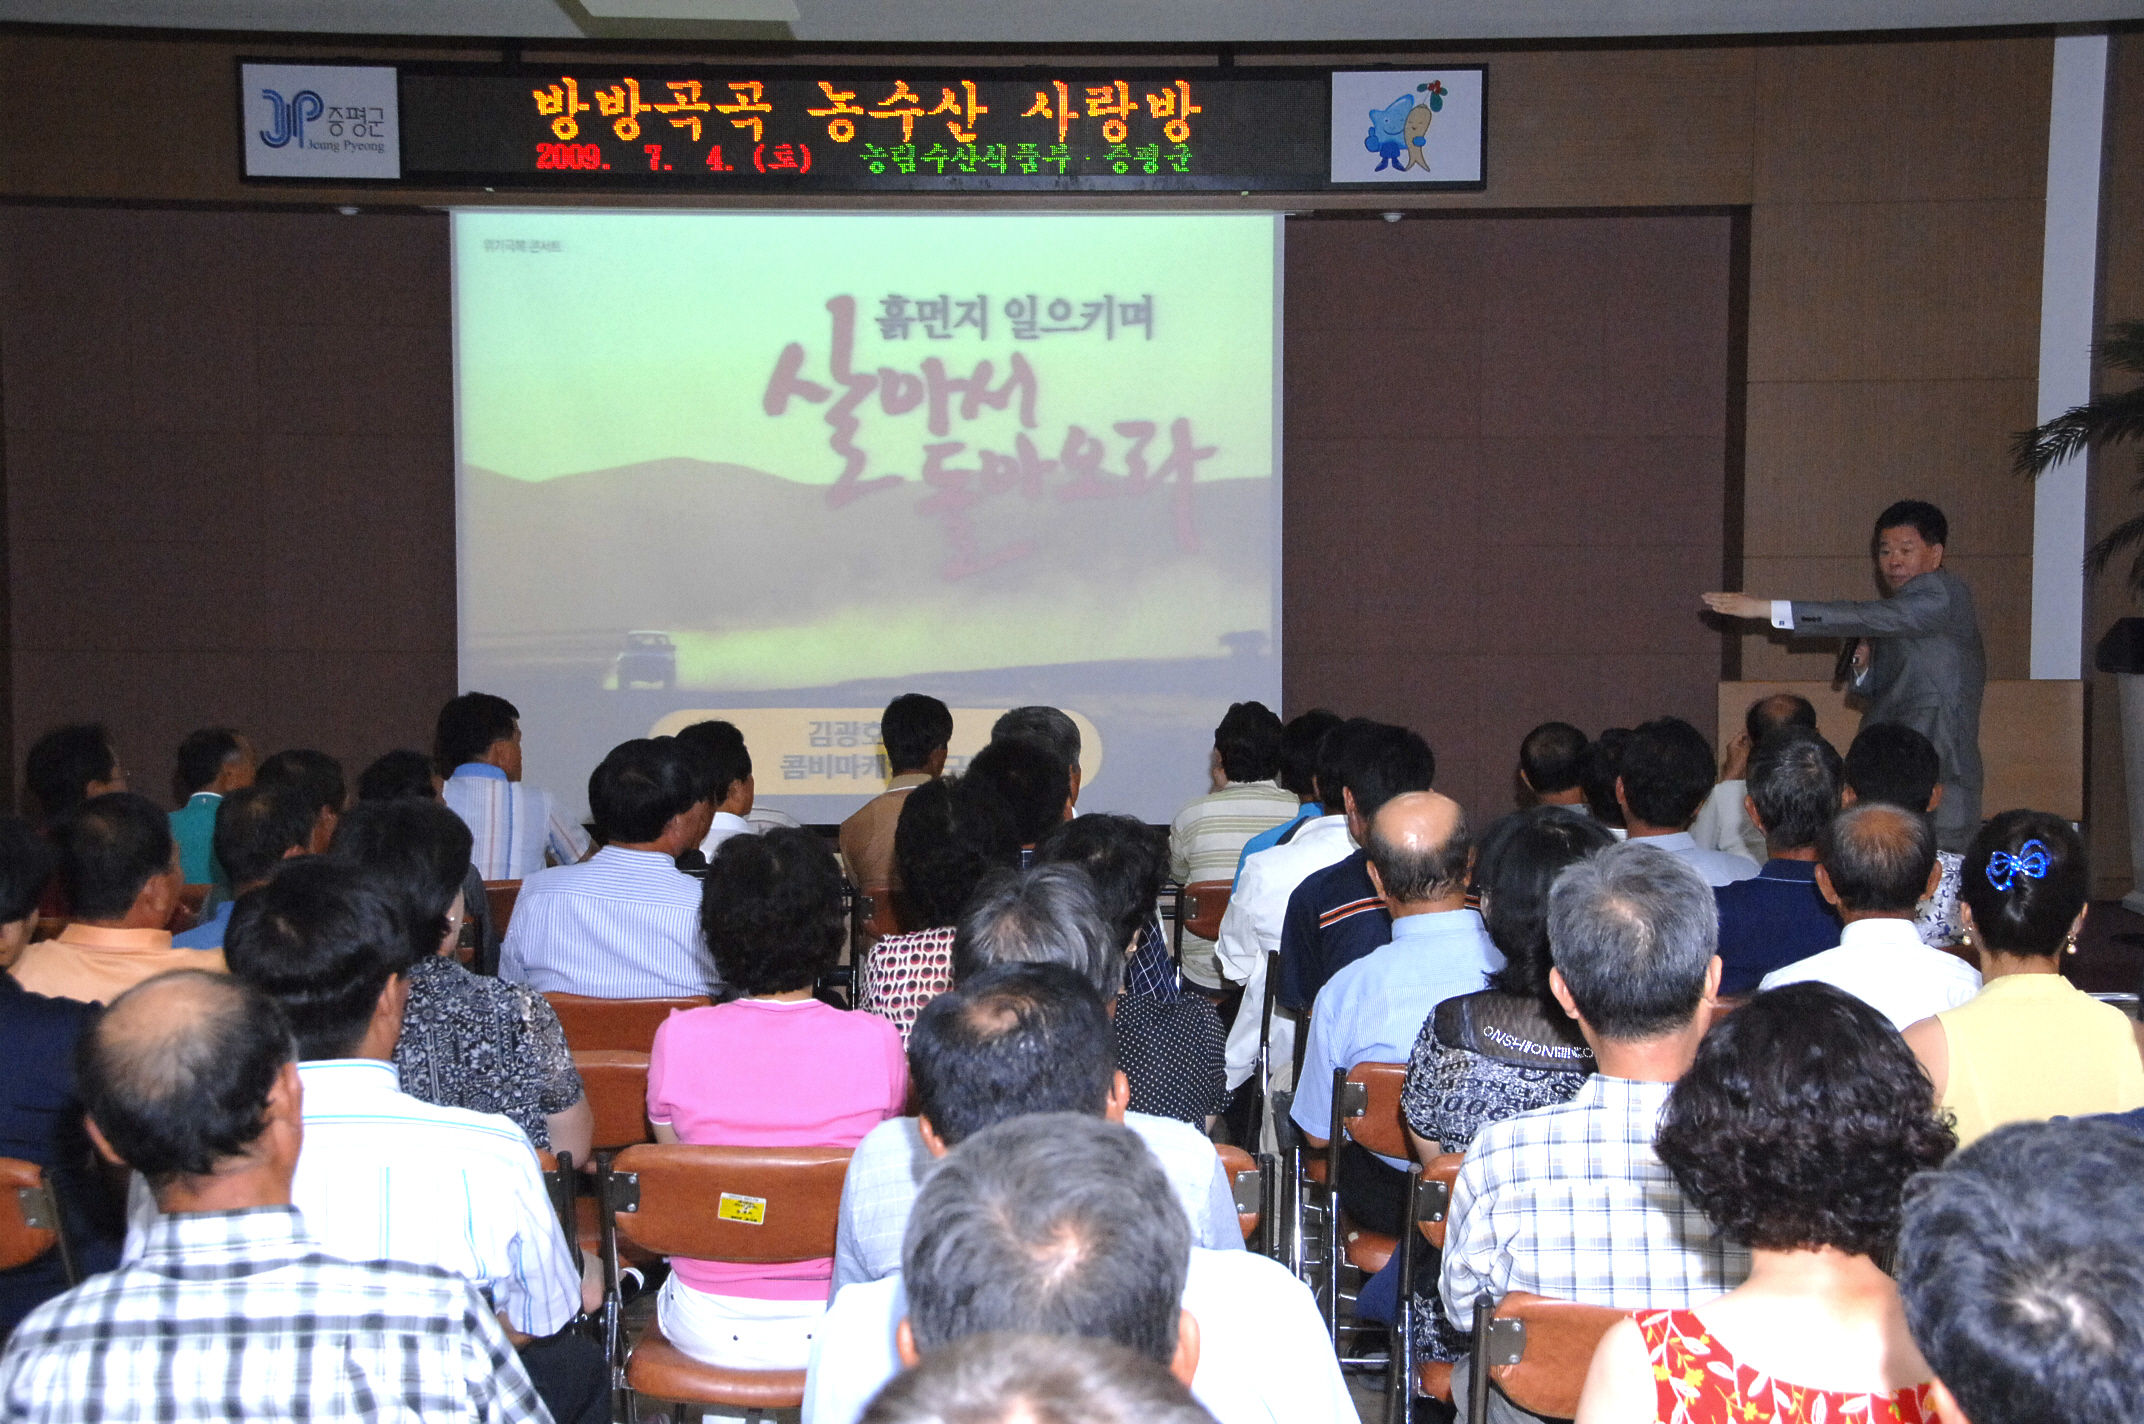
[{"x": 625, "y": 923}]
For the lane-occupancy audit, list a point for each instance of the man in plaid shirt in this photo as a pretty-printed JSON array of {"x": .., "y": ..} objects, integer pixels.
[
  {"x": 232, "y": 1312},
  {"x": 1570, "y": 1201}
]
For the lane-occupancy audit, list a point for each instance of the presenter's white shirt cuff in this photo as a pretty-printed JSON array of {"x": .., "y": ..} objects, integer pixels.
[{"x": 1783, "y": 614}]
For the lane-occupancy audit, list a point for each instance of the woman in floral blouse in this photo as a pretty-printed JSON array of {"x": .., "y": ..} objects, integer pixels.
[{"x": 467, "y": 1041}]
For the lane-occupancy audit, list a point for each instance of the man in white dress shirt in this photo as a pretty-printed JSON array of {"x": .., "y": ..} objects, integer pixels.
[
  {"x": 1663, "y": 775},
  {"x": 1258, "y": 910},
  {"x": 1010, "y": 1040},
  {"x": 1875, "y": 864},
  {"x": 1723, "y": 824},
  {"x": 625, "y": 923},
  {"x": 477, "y": 748},
  {"x": 383, "y": 1175},
  {"x": 1062, "y": 1224}
]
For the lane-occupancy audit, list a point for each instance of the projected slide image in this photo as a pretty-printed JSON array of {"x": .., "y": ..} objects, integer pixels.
[{"x": 712, "y": 463}]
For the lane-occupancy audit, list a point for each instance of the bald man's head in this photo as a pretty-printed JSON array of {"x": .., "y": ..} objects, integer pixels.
[
  {"x": 1420, "y": 848},
  {"x": 176, "y": 1073},
  {"x": 1878, "y": 858}
]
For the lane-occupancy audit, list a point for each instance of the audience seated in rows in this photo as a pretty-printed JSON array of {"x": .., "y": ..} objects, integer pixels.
[
  {"x": 1723, "y": 823},
  {"x": 2023, "y": 1278},
  {"x": 1169, "y": 1040},
  {"x": 728, "y": 765},
  {"x": 230, "y": 1309},
  {"x": 383, "y": 1173},
  {"x": 316, "y": 776},
  {"x": 771, "y": 1066},
  {"x": 1897, "y": 765},
  {"x": 1034, "y": 782},
  {"x": 1372, "y": 1011},
  {"x": 40, "y": 1118},
  {"x": 1571, "y": 1201},
  {"x": 467, "y": 1041},
  {"x": 476, "y": 746},
  {"x": 212, "y": 763},
  {"x": 952, "y": 832},
  {"x": 1062, "y": 1224},
  {"x": 1663, "y": 775},
  {"x": 2030, "y": 1045},
  {"x": 119, "y": 872},
  {"x": 1336, "y": 916},
  {"x": 1258, "y": 911},
  {"x": 1207, "y": 838},
  {"x": 917, "y": 732},
  {"x": 1794, "y": 1132},
  {"x": 257, "y": 829},
  {"x": 1778, "y": 915},
  {"x": 1875, "y": 862},
  {"x": 1035, "y": 1379},
  {"x": 1501, "y": 1051},
  {"x": 625, "y": 923},
  {"x": 1299, "y": 743},
  {"x": 1482, "y": 1057},
  {"x": 1013, "y": 1038}
]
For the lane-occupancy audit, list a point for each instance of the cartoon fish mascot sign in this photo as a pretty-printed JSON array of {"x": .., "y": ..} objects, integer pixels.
[{"x": 1399, "y": 132}]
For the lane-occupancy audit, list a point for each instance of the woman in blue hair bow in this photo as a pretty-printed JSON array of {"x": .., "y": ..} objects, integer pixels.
[{"x": 2031, "y": 1045}]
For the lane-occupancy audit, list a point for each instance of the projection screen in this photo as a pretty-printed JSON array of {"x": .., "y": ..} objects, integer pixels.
[{"x": 777, "y": 468}]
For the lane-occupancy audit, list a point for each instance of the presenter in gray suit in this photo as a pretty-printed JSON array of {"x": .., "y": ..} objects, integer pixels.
[{"x": 1920, "y": 661}]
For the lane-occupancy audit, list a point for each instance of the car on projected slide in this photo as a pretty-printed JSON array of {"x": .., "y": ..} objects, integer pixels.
[{"x": 647, "y": 657}]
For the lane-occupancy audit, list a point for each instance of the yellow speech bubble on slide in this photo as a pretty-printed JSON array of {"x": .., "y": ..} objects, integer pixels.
[{"x": 835, "y": 751}]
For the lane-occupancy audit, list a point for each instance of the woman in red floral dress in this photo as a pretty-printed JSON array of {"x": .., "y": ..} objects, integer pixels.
[{"x": 1795, "y": 1131}]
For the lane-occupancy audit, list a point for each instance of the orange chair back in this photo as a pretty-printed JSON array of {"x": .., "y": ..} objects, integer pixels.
[
  {"x": 29, "y": 1214},
  {"x": 629, "y": 1024},
  {"x": 1202, "y": 905},
  {"x": 1237, "y": 1164},
  {"x": 616, "y": 1083},
  {"x": 745, "y": 1204},
  {"x": 1558, "y": 1349},
  {"x": 885, "y": 918},
  {"x": 1379, "y": 1128},
  {"x": 1444, "y": 1167},
  {"x": 499, "y": 897}
]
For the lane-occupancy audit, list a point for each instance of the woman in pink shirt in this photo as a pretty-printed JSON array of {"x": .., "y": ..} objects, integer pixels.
[{"x": 769, "y": 1067}]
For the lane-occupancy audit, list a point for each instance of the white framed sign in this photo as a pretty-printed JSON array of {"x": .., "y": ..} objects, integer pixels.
[
  {"x": 320, "y": 121},
  {"x": 1418, "y": 128}
]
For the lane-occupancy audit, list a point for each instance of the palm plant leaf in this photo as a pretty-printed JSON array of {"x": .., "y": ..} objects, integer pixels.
[{"x": 2107, "y": 420}]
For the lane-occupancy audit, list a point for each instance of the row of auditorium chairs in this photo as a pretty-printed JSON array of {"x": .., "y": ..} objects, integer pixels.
[{"x": 1532, "y": 1349}]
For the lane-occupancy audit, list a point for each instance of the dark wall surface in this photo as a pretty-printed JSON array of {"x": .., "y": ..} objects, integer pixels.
[
  {"x": 230, "y": 458},
  {"x": 1504, "y": 467}
]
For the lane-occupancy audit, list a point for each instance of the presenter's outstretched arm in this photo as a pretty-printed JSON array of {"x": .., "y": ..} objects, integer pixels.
[{"x": 1739, "y": 605}]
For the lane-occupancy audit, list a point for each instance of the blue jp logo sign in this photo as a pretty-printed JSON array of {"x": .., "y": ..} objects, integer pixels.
[{"x": 290, "y": 116}]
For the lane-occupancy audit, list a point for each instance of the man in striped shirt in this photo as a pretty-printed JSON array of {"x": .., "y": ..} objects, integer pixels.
[
  {"x": 1208, "y": 835},
  {"x": 231, "y": 1311},
  {"x": 477, "y": 747},
  {"x": 625, "y": 923}
]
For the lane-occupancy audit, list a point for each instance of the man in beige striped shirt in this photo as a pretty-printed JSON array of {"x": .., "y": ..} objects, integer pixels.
[{"x": 1209, "y": 834}]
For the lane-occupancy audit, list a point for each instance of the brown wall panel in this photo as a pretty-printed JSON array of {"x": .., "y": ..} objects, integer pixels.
[
  {"x": 1500, "y": 534},
  {"x": 230, "y": 470}
]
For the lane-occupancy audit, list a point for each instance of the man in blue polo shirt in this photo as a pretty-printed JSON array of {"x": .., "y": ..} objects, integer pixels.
[
  {"x": 1420, "y": 857},
  {"x": 1778, "y": 917}
]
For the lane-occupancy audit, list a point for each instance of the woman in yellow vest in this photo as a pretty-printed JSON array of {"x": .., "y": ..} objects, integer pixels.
[{"x": 2031, "y": 1045}]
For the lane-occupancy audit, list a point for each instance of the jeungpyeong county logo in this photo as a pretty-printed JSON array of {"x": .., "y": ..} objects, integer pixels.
[{"x": 321, "y": 120}]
